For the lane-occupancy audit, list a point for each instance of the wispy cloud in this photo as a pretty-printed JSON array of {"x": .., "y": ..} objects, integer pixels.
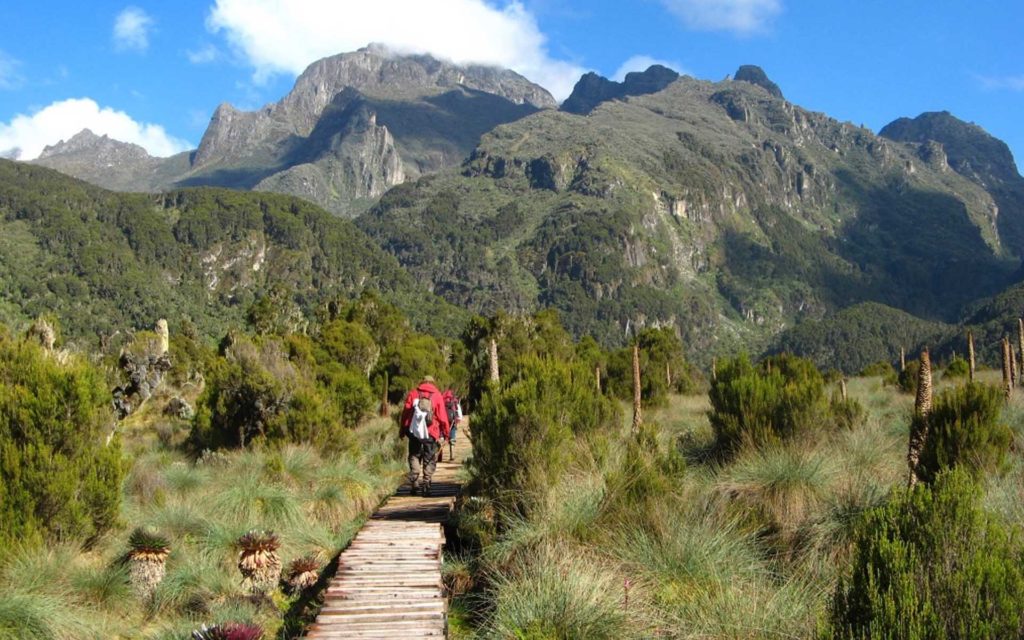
[
  {"x": 25, "y": 136},
  {"x": 285, "y": 37},
  {"x": 1009, "y": 83},
  {"x": 743, "y": 17},
  {"x": 131, "y": 29},
  {"x": 9, "y": 77},
  {"x": 203, "y": 55},
  {"x": 641, "y": 63}
]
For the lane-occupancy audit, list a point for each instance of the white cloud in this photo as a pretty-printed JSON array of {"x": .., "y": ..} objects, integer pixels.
[
  {"x": 9, "y": 77},
  {"x": 641, "y": 63},
  {"x": 1012, "y": 83},
  {"x": 739, "y": 16},
  {"x": 131, "y": 29},
  {"x": 285, "y": 36},
  {"x": 28, "y": 134},
  {"x": 205, "y": 54}
]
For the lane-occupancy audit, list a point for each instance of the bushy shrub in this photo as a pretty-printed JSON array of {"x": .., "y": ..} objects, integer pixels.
[
  {"x": 907, "y": 380},
  {"x": 931, "y": 564},
  {"x": 523, "y": 432},
  {"x": 256, "y": 392},
  {"x": 882, "y": 369},
  {"x": 957, "y": 368},
  {"x": 846, "y": 413},
  {"x": 777, "y": 400},
  {"x": 964, "y": 429},
  {"x": 663, "y": 368},
  {"x": 60, "y": 478}
]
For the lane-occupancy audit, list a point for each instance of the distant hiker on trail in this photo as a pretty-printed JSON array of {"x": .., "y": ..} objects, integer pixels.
[
  {"x": 453, "y": 406},
  {"x": 425, "y": 422}
]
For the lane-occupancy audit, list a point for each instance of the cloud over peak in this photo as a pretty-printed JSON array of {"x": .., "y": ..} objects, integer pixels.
[
  {"x": 279, "y": 36},
  {"x": 131, "y": 29},
  {"x": 742, "y": 17},
  {"x": 25, "y": 136}
]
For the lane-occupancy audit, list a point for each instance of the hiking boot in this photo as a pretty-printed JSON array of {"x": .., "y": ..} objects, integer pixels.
[
  {"x": 414, "y": 489},
  {"x": 426, "y": 490}
]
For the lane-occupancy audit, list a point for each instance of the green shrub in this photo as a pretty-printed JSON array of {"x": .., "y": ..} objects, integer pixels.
[
  {"x": 907, "y": 380},
  {"x": 964, "y": 429},
  {"x": 882, "y": 369},
  {"x": 59, "y": 477},
  {"x": 523, "y": 432},
  {"x": 766, "y": 403},
  {"x": 661, "y": 359},
  {"x": 847, "y": 413},
  {"x": 931, "y": 564},
  {"x": 957, "y": 368}
]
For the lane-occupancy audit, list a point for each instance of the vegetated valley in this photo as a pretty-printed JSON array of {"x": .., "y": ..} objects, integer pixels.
[{"x": 192, "y": 380}]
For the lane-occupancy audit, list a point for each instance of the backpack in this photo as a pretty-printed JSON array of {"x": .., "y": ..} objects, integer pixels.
[
  {"x": 452, "y": 407},
  {"x": 422, "y": 418}
]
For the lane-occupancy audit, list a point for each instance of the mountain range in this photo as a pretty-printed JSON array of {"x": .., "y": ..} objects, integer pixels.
[{"x": 718, "y": 208}]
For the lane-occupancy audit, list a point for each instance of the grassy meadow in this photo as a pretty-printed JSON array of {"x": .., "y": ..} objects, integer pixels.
[
  {"x": 666, "y": 540},
  {"x": 313, "y": 502}
]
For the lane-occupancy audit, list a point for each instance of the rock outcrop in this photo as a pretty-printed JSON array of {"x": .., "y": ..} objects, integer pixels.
[
  {"x": 756, "y": 75},
  {"x": 593, "y": 89}
]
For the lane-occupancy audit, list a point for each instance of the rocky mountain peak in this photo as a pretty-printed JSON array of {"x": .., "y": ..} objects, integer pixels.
[
  {"x": 755, "y": 75},
  {"x": 593, "y": 89},
  {"x": 970, "y": 150},
  {"x": 103, "y": 148}
]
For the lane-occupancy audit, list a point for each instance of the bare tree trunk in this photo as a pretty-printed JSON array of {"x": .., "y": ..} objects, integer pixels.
[
  {"x": 842, "y": 387},
  {"x": 919, "y": 423},
  {"x": 1007, "y": 382},
  {"x": 970, "y": 353},
  {"x": 903, "y": 360},
  {"x": 597, "y": 378},
  {"x": 495, "y": 378},
  {"x": 714, "y": 369},
  {"x": 668, "y": 375},
  {"x": 385, "y": 407},
  {"x": 637, "y": 417}
]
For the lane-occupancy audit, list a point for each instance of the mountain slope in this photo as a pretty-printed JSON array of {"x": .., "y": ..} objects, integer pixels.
[
  {"x": 104, "y": 262},
  {"x": 718, "y": 208},
  {"x": 352, "y": 126}
]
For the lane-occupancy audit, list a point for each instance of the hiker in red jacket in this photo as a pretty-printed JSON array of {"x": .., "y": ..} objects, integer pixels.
[{"x": 425, "y": 422}]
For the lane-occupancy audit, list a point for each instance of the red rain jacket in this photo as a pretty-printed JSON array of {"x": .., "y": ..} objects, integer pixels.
[{"x": 441, "y": 426}]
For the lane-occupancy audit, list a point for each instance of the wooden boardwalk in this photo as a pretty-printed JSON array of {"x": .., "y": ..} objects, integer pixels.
[{"x": 388, "y": 583}]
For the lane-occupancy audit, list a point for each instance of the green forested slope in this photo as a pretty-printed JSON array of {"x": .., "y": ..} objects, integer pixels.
[{"x": 103, "y": 262}]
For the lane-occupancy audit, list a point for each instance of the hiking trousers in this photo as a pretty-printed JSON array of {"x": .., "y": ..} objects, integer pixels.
[{"x": 422, "y": 459}]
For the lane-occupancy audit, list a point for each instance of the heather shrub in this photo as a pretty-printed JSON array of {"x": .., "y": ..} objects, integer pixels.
[
  {"x": 524, "y": 432},
  {"x": 931, "y": 564},
  {"x": 907, "y": 380},
  {"x": 60, "y": 472},
  {"x": 663, "y": 368},
  {"x": 957, "y": 368},
  {"x": 965, "y": 430},
  {"x": 779, "y": 399}
]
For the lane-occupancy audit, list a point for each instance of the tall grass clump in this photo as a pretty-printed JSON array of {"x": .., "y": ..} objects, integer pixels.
[
  {"x": 964, "y": 429},
  {"x": 931, "y": 564},
  {"x": 778, "y": 400}
]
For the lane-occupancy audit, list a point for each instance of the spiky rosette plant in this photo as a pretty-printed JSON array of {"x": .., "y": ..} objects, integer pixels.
[
  {"x": 229, "y": 631},
  {"x": 147, "y": 560},
  {"x": 303, "y": 572},
  {"x": 258, "y": 560}
]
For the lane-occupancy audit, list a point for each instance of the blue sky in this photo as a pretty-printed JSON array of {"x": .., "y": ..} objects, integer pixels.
[{"x": 152, "y": 72}]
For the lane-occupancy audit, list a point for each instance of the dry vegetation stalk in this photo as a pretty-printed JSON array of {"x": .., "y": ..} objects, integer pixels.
[
  {"x": 493, "y": 356},
  {"x": 970, "y": 353},
  {"x": 919, "y": 423},
  {"x": 1007, "y": 382},
  {"x": 903, "y": 359},
  {"x": 637, "y": 416}
]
